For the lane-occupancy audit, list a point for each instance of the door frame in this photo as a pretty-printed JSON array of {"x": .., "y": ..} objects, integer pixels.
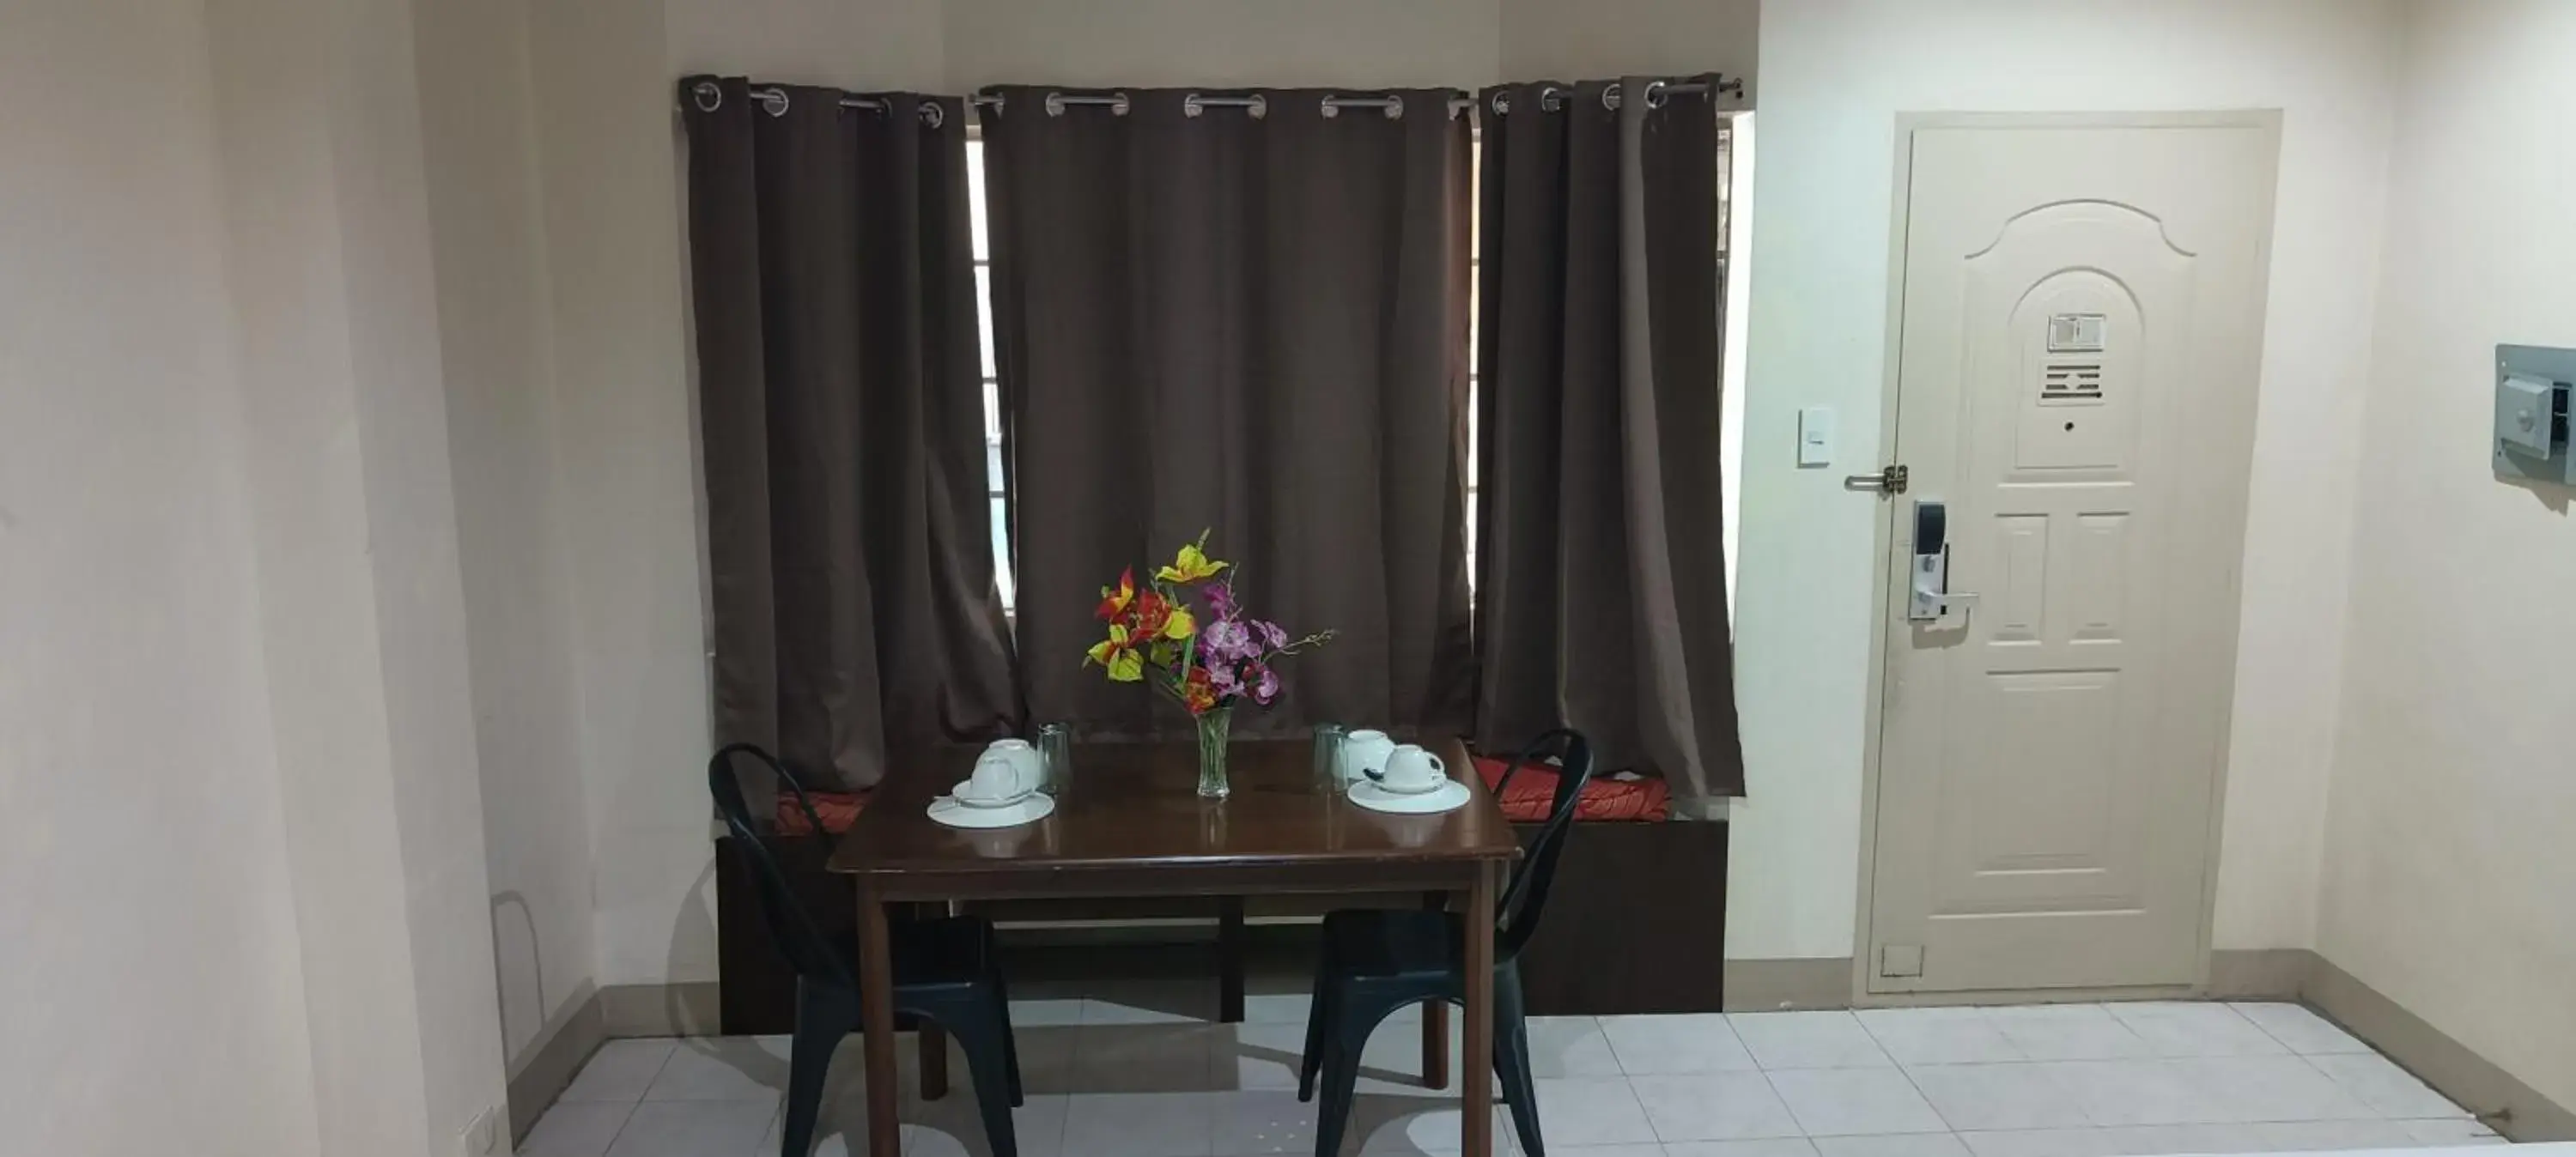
[{"x": 1864, "y": 958}]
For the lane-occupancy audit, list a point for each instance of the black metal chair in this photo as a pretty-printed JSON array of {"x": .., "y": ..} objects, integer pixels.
[
  {"x": 945, "y": 972},
  {"x": 1377, "y": 961}
]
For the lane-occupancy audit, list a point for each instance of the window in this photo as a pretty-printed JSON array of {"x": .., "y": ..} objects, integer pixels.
[{"x": 1731, "y": 439}]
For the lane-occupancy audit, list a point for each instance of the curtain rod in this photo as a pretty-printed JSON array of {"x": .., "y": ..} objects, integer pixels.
[{"x": 709, "y": 96}]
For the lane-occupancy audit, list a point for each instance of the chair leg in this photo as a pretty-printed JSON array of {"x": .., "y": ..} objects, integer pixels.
[
  {"x": 1319, "y": 1016},
  {"x": 1512, "y": 1060},
  {"x": 1345, "y": 1040},
  {"x": 986, "y": 1040},
  {"x": 1229, "y": 954},
  {"x": 932, "y": 1043},
  {"x": 824, "y": 1017},
  {"x": 1010, "y": 1038}
]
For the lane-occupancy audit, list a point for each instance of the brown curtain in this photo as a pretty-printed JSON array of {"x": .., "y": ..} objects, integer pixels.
[
  {"x": 1601, "y": 570},
  {"x": 1256, "y": 325},
  {"x": 840, "y": 400}
]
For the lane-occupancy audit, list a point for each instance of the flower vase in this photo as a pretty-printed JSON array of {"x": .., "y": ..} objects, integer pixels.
[{"x": 1214, "y": 727}]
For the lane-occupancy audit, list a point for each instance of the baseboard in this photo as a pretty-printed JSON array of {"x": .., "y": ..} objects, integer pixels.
[
  {"x": 2499, "y": 1098},
  {"x": 686, "y": 1009},
  {"x": 2260, "y": 973},
  {"x": 544, "y": 1071},
  {"x": 1770, "y": 985}
]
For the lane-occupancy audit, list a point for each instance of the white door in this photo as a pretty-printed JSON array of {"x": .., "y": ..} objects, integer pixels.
[{"x": 2081, "y": 333}]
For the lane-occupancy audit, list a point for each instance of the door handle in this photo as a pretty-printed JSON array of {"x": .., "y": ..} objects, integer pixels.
[{"x": 1929, "y": 597}]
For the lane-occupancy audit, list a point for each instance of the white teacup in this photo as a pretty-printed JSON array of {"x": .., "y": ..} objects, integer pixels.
[
  {"x": 1364, "y": 753},
  {"x": 1002, "y": 776},
  {"x": 1411, "y": 771}
]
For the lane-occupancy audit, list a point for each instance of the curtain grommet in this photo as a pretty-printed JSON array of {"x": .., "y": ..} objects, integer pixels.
[
  {"x": 1394, "y": 107},
  {"x": 1190, "y": 106},
  {"x": 1610, "y": 96},
  {"x": 707, "y": 95},
  {"x": 1656, "y": 94},
  {"x": 1502, "y": 102},
  {"x": 774, "y": 101},
  {"x": 1260, "y": 107},
  {"x": 1119, "y": 107},
  {"x": 1331, "y": 110},
  {"x": 1551, "y": 98},
  {"x": 1055, "y": 104},
  {"x": 933, "y": 116}
]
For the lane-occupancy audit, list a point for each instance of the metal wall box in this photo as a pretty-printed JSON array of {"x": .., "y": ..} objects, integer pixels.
[{"x": 2531, "y": 402}]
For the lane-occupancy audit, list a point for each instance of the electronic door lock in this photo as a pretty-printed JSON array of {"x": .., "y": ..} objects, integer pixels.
[{"x": 1929, "y": 598}]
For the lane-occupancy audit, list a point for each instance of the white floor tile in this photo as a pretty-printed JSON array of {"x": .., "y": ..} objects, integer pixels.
[
  {"x": 1606, "y": 1151},
  {"x": 2384, "y": 1088},
  {"x": 1893, "y": 1145},
  {"x": 1059, "y": 1013},
  {"x": 1570, "y": 1046},
  {"x": 953, "y": 1126},
  {"x": 1113, "y": 1010},
  {"x": 1046, "y": 1060},
  {"x": 1144, "y": 1058},
  {"x": 2450, "y": 1131},
  {"x": 2195, "y": 1029},
  {"x": 694, "y": 1129},
  {"x": 1261, "y": 1122},
  {"x": 2014, "y": 1095},
  {"x": 1855, "y": 1102},
  {"x": 2150, "y": 1140},
  {"x": 2043, "y": 1143},
  {"x": 2303, "y": 1031},
  {"x": 1682, "y": 1043},
  {"x": 1808, "y": 1040},
  {"x": 1258, "y": 1056},
  {"x": 2285, "y": 1088},
  {"x": 1141, "y": 1125},
  {"x": 724, "y": 1069},
  {"x": 1391, "y": 1125},
  {"x": 620, "y": 1071},
  {"x": 2066, "y": 1032},
  {"x": 1713, "y": 1107},
  {"x": 576, "y": 1129},
  {"x": 1591, "y": 1111},
  {"x": 2304, "y": 1136},
  {"x": 1764, "y": 1147},
  {"x": 2138, "y": 1093},
  {"x": 1930, "y": 1036},
  {"x": 1277, "y": 1008}
]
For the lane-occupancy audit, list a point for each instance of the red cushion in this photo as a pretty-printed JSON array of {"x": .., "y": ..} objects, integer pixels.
[
  {"x": 1533, "y": 791},
  {"x": 837, "y": 809}
]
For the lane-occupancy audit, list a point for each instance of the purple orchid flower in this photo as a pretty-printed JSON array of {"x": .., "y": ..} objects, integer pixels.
[
  {"x": 1273, "y": 636},
  {"x": 1223, "y": 679},
  {"x": 1265, "y": 683},
  {"x": 1220, "y": 600},
  {"x": 1226, "y": 642}
]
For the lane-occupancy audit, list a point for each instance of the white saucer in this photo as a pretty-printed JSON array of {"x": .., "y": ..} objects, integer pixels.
[
  {"x": 1447, "y": 796},
  {"x": 947, "y": 810}
]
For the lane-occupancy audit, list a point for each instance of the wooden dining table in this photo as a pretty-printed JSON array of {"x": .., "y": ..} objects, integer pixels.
[{"x": 1130, "y": 823}]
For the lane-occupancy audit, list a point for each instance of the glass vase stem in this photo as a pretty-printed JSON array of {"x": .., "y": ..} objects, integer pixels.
[{"x": 1214, "y": 727}]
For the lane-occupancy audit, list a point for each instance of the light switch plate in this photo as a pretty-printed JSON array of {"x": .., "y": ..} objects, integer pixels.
[{"x": 1816, "y": 436}]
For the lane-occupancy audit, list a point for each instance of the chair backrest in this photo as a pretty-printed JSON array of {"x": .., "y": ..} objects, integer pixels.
[
  {"x": 791, "y": 927},
  {"x": 1516, "y": 918}
]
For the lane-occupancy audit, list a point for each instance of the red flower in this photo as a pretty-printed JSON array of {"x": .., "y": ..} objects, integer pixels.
[
  {"x": 1152, "y": 612},
  {"x": 1115, "y": 599},
  {"x": 1198, "y": 692}
]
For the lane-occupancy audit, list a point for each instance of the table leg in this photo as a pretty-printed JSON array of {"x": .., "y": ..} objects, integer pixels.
[
  {"x": 1435, "y": 1022},
  {"x": 934, "y": 1061},
  {"x": 1229, "y": 960},
  {"x": 1476, "y": 1052},
  {"x": 876, "y": 1009}
]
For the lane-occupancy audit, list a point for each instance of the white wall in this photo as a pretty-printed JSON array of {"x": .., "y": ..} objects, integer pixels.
[
  {"x": 479, "y": 133},
  {"x": 2448, "y": 867},
  {"x": 1834, "y": 75},
  {"x": 155, "y": 994}
]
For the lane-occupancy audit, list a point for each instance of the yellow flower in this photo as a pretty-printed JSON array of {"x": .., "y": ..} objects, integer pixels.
[
  {"x": 1117, "y": 655},
  {"x": 1180, "y": 625},
  {"x": 1192, "y": 564}
]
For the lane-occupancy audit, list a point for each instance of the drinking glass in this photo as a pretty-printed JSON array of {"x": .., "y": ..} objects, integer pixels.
[
  {"x": 1328, "y": 756},
  {"x": 1055, "y": 757}
]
